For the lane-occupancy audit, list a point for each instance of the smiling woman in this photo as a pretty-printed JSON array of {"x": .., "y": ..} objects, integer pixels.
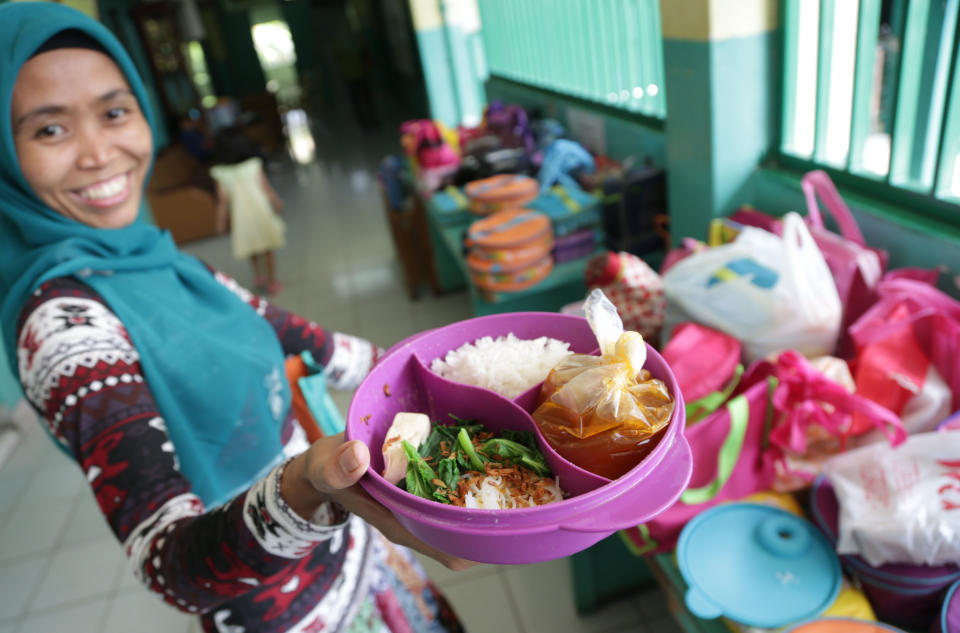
[
  {"x": 83, "y": 143},
  {"x": 165, "y": 380}
]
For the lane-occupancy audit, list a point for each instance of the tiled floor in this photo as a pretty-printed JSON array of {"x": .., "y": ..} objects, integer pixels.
[{"x": 62, "y": 571}]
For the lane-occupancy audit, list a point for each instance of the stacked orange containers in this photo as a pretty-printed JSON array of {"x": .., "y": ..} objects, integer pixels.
[
  {"x": 510, "y": 250},
  {"x": 498, "y": 193}
]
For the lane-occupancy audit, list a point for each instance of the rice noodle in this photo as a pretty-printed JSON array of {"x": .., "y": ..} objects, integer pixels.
[{"x": 495, "y": 492}]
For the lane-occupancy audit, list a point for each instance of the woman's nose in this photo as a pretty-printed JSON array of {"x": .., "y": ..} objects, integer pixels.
[{"x": 95, "y": 147}]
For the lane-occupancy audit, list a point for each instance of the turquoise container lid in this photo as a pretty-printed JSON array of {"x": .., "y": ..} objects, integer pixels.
[{"x": 757, "y": 565}]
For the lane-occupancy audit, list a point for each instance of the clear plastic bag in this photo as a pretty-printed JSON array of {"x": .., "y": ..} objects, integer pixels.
[{"x": 604, "y": 413}]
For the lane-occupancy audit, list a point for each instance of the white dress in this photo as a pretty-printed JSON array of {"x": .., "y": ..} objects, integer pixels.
[{"x": 254, "y": 226}]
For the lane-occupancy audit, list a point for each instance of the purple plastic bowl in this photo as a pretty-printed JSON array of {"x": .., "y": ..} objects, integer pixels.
[{"x": 597, "y": 507}]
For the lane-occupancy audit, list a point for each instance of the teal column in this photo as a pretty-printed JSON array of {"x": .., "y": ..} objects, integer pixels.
[
  {"x": 721, "y": 72},
  {"x": 435, "y": 57},
  {"x": 448, "y": 36}
]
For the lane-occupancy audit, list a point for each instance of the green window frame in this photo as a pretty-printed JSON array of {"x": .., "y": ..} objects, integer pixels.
[
  {"x": 607, "y": 52},
  {"x": 871, "y": 93}
]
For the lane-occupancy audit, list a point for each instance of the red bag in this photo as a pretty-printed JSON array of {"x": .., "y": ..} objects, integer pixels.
[{"x": 910, "y": 308}]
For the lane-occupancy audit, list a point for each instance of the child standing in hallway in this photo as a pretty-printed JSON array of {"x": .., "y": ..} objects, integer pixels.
[{"x": 249, "y": 206}]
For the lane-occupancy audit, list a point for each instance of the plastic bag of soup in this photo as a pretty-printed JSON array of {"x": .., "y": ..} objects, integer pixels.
[{"x": 604, "y": 413}]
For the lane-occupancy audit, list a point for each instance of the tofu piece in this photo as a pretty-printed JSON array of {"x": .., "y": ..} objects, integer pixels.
[{"x": 413, "y": 427}]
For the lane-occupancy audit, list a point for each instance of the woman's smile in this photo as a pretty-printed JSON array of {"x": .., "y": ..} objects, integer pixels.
[{"x": 106, "y": 193}]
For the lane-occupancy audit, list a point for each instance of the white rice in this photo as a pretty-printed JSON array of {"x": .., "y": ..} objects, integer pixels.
[{"x": 506, "y": 364}]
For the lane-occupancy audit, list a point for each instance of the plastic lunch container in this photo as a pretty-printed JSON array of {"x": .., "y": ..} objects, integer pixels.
[
  {"x": 505, "y": 191},
  {"x": 842, "y": 625},
  {"x": 596, "y": 508},
  {"x": 902, "y": 594}
]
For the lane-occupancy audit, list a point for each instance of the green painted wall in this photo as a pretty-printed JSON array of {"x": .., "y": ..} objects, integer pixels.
[{"x": 720, "y": 123}]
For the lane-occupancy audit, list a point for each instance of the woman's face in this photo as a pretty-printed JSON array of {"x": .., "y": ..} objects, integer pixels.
[{"x": 83, "y": 144}]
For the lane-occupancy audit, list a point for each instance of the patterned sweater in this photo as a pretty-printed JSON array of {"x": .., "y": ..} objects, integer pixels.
[{"x": 250, "y": 565}]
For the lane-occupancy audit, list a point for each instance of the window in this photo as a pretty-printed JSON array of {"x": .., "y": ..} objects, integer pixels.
[
  {"x": 871, "y": 88},
  {"x": 606, "y": 51}
]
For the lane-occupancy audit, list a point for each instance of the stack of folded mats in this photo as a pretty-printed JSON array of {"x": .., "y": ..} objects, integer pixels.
[
  {"x": 498, "y": 193},
  {"x": 510, "y": 250}
]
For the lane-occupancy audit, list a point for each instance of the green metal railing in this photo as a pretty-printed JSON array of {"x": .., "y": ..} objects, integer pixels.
[
  {"x": 883, "y": 105},
  {"x": 603, "y": 51}
]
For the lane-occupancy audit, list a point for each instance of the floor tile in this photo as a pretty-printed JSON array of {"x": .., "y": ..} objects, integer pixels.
[
  {"x": 34, "y": 451},
  {"x": 78, "y": 572},
  {"x": 12, "y": 486},
  {"x": 144, "y": 612},
  {"x": 60, "y": 482},
  {"x": 545, "y": 591},
  {"x": 33, "y": 529},
  {"x": 86, "y": 522},
  {"x": 84, "y": 617},
  {"x": 444, "y": 577},
  {"x": 18, "y": 583},
  {"x": 484, "y": 605}
]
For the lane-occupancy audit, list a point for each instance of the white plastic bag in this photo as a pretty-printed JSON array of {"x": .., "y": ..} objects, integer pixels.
[
  {"x": 798, "y": 309},
  {"x": 900, "y": 505}
]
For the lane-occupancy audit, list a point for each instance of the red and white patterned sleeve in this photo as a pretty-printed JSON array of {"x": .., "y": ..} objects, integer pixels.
[
  {"x": 346, "y": 359},
  {"x": 82, "y": 374}
]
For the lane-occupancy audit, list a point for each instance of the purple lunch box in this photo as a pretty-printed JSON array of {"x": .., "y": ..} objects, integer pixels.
[
  {"x": 904, "y": 595},
  {"x": 596, "y": 508}
]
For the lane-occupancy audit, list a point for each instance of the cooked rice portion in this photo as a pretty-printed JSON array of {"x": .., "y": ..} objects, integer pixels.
[{"x": 506, "y": 364}]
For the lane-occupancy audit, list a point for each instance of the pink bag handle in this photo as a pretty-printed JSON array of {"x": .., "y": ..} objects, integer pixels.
[
  {"x": 817, "y": 182},
  {"x": 801, "y": 388},
  {"x": 927, "y": 300}
]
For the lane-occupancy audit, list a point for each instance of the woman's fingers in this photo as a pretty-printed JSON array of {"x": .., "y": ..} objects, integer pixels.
[
  {"x": 334, "y": 469},
  {"x": 346, "y": 466}
]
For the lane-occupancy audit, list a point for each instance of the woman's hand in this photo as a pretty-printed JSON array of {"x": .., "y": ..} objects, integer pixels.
[{"x": 329, "y": 471}]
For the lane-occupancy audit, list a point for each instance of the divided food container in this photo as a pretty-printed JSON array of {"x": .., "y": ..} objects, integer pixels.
[{"x": 596, "y": 507}]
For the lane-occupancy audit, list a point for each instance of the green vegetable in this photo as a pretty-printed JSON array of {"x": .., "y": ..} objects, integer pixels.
[
  {"x": 449, "y": 472},
  {"x": 466, "y": 445},
  {"x": 514, "y": 452},
  {"x": 420, "y": 476},
  {"x": 512, "y": 447}
]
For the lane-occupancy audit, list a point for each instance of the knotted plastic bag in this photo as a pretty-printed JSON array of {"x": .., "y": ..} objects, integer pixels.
[{"x": 604, "y": 413}]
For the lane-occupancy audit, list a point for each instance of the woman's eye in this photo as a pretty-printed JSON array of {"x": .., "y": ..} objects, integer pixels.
[
  {"x": 49, "y": 131},
  {"x": 116, "y": 113}
]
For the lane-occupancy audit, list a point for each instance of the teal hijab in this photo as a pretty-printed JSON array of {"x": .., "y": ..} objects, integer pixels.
[{"x": 213, "y": 365}]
